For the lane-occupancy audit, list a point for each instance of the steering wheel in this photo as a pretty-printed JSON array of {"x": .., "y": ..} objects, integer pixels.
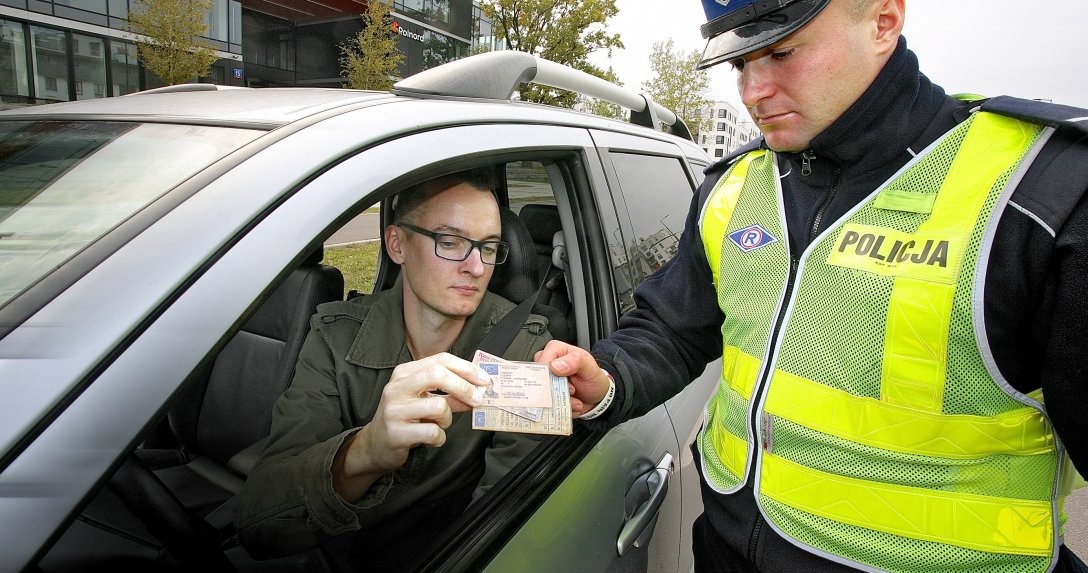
[{"x": 189, "y": 539}]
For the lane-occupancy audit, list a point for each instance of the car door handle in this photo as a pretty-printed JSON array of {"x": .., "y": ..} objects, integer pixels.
[{"x": 647, "y": 494}]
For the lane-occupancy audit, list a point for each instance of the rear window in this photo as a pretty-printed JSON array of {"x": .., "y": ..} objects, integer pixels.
[{"x": 64, "y": 184}]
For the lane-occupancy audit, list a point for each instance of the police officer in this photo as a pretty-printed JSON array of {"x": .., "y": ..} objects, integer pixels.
[{"x": 896, "y": 282}]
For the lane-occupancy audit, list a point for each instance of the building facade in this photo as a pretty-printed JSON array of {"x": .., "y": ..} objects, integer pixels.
[
  {"x": 728, "y": 130},
  {"x": 60, "y": 50}
]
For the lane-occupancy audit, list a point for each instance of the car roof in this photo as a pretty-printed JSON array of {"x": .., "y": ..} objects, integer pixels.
[
  {"x": 489, "y": 77},
  {"x": 213, "y": 105}
]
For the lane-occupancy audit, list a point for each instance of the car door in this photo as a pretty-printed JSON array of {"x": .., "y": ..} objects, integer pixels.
[
  {"x": 628, "y": 501},
  {"x": 653, "y": 185},
  {"x": 243, "y": 230}
]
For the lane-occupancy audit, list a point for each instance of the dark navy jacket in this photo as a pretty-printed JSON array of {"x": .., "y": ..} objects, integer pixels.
[{"x": 1036, "y": 287}]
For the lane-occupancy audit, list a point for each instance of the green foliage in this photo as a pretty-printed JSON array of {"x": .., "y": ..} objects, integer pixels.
[
  {"x": 601, "y": 107},
  {"x": 170, "y": 46},
  {"x": 358, "y": 263},
  {"x": 369, "y": 60},
  {"x": 563, "y": 31},
  {"x": 678, "y": 86}
]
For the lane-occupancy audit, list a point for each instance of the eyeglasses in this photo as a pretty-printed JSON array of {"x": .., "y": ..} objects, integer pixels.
[{"x": 458, "y": 248}]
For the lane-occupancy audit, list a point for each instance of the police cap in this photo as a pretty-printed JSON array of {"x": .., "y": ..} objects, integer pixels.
[{"x": 737, "y": 27}]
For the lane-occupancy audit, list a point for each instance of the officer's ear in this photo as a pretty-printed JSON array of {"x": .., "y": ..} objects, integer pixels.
[
  {"x": 394, "y": 243},
  {"x": 889, "y": 24}
]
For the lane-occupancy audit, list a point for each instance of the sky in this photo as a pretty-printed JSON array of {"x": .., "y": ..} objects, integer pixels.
[{"x": 988, "y": 47}]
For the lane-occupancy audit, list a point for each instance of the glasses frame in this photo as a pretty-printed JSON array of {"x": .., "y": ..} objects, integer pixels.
[{"x": 434, "y": 235}]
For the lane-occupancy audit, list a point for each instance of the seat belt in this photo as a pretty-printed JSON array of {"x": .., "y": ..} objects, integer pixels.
[{"x": 498, "y": 340}]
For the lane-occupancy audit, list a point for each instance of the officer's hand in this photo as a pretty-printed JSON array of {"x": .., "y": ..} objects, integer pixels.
[{"x": 587, "y": 382}]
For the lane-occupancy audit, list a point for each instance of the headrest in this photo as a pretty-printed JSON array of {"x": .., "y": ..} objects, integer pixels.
[
  {"x": 542, "y": 221},
  {"x": 519, "y": 276}
]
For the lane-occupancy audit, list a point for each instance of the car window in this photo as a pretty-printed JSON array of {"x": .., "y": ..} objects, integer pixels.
[
  {"x": 527, "y": 183},
  {"x": 64, "y": 184},
  {"x": 355, "y": 250},
  {"x": 657, "y": 192}
]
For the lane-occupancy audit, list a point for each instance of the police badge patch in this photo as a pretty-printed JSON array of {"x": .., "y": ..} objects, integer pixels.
[{"x": 751, "y": 238}]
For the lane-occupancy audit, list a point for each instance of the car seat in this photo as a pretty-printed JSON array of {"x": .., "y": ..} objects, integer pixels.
[
  {"x": 546, "y": 232},
  {"x": 520, "y": 276},
  {"x": 225, "y": 410}
]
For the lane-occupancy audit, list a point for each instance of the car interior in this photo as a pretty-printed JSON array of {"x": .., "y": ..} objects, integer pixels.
[{"x": 170, "y": 503}]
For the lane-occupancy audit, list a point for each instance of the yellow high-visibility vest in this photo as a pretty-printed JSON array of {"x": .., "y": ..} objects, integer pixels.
[{"x": 858, "y": 395}]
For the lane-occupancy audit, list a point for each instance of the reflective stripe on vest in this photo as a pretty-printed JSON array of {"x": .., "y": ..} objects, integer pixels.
[
  {"x": 871, "y": 450},
  {"x": 752, "y": 229}
]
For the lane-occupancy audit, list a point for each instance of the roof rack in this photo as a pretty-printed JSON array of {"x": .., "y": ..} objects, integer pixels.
[
  {"x": 194, "y": 87},
  {"x": 495, "y": 76}
]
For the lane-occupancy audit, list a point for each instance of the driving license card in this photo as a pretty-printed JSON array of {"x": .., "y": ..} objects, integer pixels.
[
  {"x": 516, "y": 384},
  {"x": 533, "y": 414},
  {"x": 554, "y": 420}
]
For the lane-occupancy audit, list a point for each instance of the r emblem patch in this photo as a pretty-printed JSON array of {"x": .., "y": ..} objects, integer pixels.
[{"x": 751, "y": 238}]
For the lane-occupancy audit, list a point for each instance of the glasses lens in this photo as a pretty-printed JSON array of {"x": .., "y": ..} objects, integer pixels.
[
  {"x": 452, "y": 247},
  {"x": 493, "y": 252},
  {"x": 456, "y": 248}
]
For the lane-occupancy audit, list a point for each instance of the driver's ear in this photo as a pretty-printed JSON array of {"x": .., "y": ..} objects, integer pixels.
[{"x": 394, "y": 246}]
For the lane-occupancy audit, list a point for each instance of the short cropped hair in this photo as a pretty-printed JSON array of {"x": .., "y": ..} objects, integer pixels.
[
  {"x": 408, "y": 201},
  {"x": 858, "y": 8}
]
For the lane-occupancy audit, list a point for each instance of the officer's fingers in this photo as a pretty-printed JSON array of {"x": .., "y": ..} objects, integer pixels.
[
  {"x": 566, "y": 360},
  {"x": 577, "y": 407}
]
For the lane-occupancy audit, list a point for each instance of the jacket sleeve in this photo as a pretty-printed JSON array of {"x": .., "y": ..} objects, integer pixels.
[
  {"x": 288, "y": 504},
  {"x": 670, "y": 336},
  {"x": 1064, "y": 376}
]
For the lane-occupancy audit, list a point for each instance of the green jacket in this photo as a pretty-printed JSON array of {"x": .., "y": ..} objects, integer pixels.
[{"x": 288, "y": 504}]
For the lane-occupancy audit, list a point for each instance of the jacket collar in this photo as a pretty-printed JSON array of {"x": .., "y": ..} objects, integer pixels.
[
  {"x": 889, "y": 117},
  {"x": 381, "y": 343}
]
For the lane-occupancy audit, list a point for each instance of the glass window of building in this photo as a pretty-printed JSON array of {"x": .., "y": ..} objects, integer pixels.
[
  {"x": 269, "y": 42},
  {"x": 235, "y": 25},
  {"x": 119, "y": 9},
  {"x": 14, "y": 75},
  {"x": 217, "y": 22},
  {"x": 719, "y": 140},
  {"x": 125, "y": 68},
  {"x": 719, "y": 152},
  {"x": 96, "y": 6},
  {"x": 721, "y": 126},
  {"x": 90, "y": 66},
  {"x": 433, "y": 10},
  {"x": 50, "y": 53},
  {"x": 721, "y": 112}
]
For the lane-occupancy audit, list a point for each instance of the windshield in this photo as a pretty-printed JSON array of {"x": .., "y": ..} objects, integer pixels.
[{"x": 64, "y": 184}]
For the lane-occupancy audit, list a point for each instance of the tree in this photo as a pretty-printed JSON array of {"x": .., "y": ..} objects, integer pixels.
[
  {"x": 170, "y": 46},
  {"x": 370, "y": 59},
  {"x": 599, "y": 106},
  {"x": 677, "y": 85},
  {"x": 563, "y": 31}
]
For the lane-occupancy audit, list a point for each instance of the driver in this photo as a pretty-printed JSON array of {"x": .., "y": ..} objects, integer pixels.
[{"x": 362, "y": 448}]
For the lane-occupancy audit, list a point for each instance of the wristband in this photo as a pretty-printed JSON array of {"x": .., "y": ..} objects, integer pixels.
[{"x": 605, "y": 402}]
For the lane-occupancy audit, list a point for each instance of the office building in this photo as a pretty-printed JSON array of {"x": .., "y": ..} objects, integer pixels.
[
  {"x": 725, "y": 130},
  {"x": 60, "y": 50}
]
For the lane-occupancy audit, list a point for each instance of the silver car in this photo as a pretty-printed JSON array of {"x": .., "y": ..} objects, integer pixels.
[{"x": 160, "y": 256}]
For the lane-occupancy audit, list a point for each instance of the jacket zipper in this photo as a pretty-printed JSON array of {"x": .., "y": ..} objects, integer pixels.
[
  {"x": 757, "y": 394},
  {"x": 806, "y": 162},
  {"x": 818, "y": 219}
]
